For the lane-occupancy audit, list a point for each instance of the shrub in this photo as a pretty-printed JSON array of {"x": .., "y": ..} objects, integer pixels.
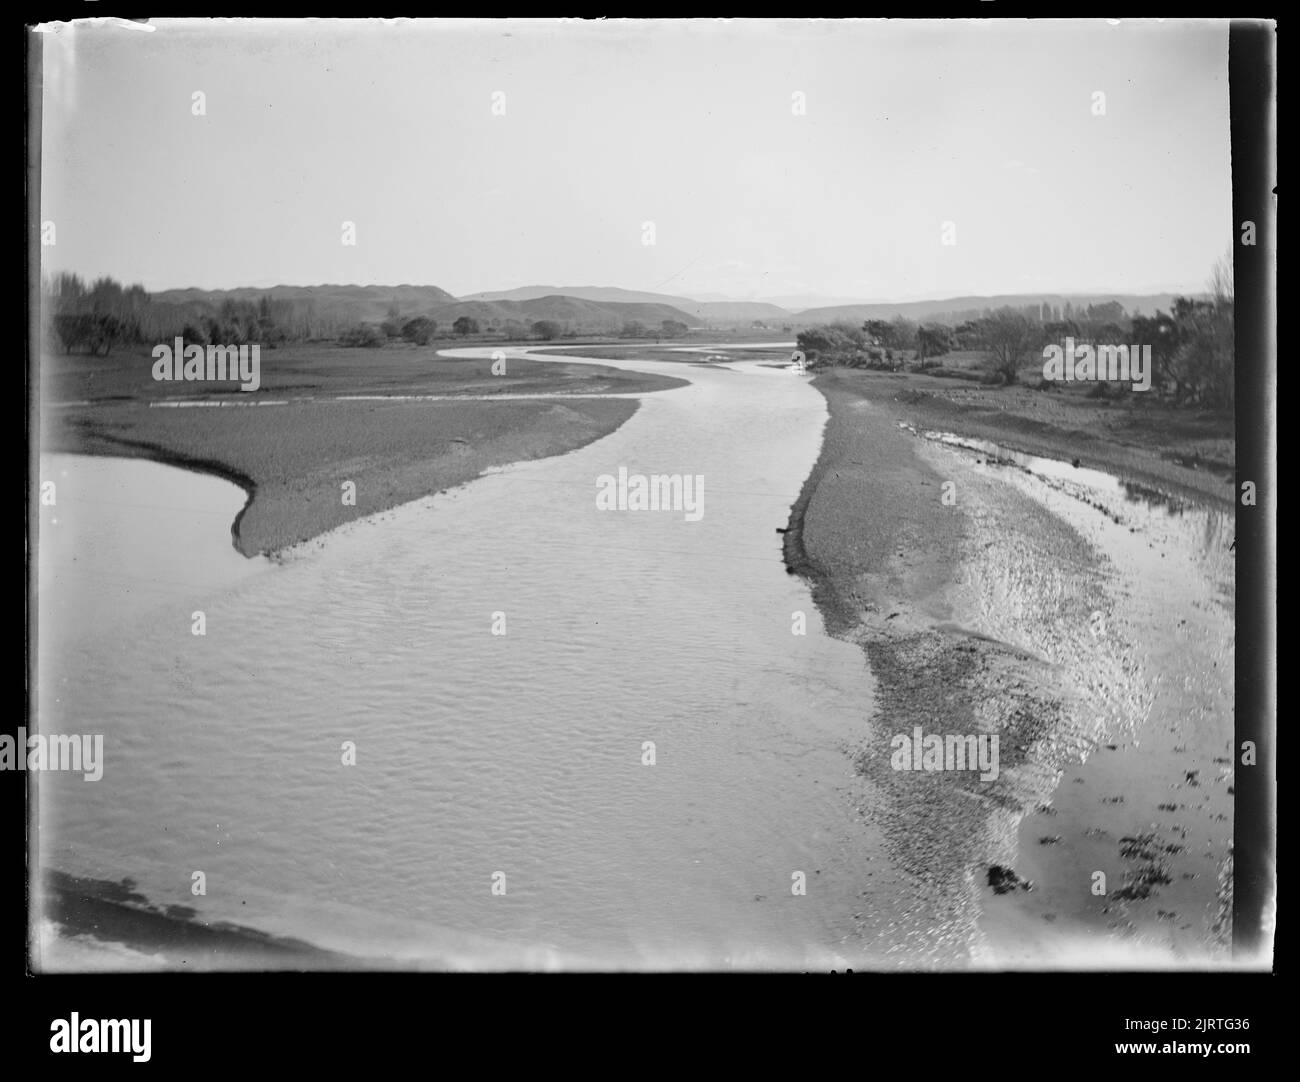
[
  {"x": 419, "y": 330},
  {"x": 363, "y": 334}
]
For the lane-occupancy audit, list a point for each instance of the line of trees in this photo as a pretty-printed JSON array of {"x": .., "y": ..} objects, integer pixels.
[
  {"x": 97, "y": 317},
  {"x": 94, "y": 318},
  {"x": 1192, "y": 346},
  {"x": 668, "y": 328},
  {"x": 877, "y": 344}
]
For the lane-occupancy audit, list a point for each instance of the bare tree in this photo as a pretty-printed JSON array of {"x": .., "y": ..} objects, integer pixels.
[
  {"x": 1008, "y": 336},
  {"x": 1221, "y": 280}
]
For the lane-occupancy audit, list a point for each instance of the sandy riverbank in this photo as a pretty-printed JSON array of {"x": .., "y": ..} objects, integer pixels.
[
  {"x": 294, "y": 444},
  {"x": 1102, "y": 661}
]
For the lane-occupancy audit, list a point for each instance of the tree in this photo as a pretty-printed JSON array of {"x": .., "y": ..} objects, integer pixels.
[
  {"x": 673, "y": 328},
  {"x": 1193, "y": 351},
  {"x": 392, "y": 325},
  {"x": 902, "y": 333},
  {"x": 1008, "y": 337},
  {"x": 546, "y": 329},
  {"x": 878, "y": 330},
  {"x": 1204, "y": 355},
  {"x": 1204, "y": 359},
  {"x": 419, "y": 330},
  {"x": 838, "y": 344},
  {"x": 1160, "y": 332},
  {"x": 97, "y": 331},
  {"x": 72, "y": 330},
  {"x": 966, "y": 335},
  {"x": 933, "y": 340},
  {"x": 634, "y": 328},
  {"x": 465, "y": 325},
  {"x": 1059, "y": 330}
]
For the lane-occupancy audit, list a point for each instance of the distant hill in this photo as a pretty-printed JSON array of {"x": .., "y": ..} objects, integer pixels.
[
  {"x": 346, "y": 304},
  {"x": 745, "y": 313},
  {"x": 803, "y": 301},
  {"x": 742, "y": 312},
  {"x": 325, "y": 309},
  {"x": 712, "y": 312},
  {"x": 339, "y": 306},
  {"x": 957, "y": 309},
  {"x": 571, "y": 312},
  {"x": 582, "y": 293}
]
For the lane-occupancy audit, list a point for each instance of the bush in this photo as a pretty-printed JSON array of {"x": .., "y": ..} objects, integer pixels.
[
  {"x": 419, "y": 330},
  {"x": 363, "y": 334},
  {"x": 97, "y": 331}
]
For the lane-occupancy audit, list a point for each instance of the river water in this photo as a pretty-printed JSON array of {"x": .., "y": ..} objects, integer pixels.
[{"x": 484, "y": 762}]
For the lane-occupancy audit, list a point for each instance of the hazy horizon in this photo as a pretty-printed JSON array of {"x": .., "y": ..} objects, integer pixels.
[{"x": 398, "y": 127}]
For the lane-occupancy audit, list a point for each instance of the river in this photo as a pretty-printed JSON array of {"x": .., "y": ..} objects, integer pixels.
[{"x": 501, "y": 811}]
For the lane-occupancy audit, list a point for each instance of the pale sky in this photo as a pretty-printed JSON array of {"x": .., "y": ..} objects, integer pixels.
[{"x": 690, "y": 125}]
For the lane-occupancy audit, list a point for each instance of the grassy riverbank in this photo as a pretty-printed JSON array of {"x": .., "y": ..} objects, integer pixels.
[{"x": 295, "y": 442}]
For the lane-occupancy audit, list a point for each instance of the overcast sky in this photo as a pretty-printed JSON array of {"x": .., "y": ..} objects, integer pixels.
[{"x": 692, "y": 126}]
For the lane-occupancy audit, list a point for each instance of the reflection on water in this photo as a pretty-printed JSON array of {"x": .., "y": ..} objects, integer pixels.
[
  {"x": 1157, "y": 521},
  {"x": 521, "y": 753}
]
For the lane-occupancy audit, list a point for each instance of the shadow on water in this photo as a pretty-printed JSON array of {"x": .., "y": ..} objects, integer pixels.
[{"x": 116, "y": 912}]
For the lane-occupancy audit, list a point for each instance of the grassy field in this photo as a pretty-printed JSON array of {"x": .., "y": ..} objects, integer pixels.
[
  {"x": 326, "y": 369},
  {"x": 293, "y": 457}
]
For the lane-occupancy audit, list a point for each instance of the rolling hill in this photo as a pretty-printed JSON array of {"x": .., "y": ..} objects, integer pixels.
[
  {"x": 601, "y": 309},
  {"x": 709, "y": 312},
  {"x": 573, "y": 312},
  {"x": 344, "y": 305}
]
